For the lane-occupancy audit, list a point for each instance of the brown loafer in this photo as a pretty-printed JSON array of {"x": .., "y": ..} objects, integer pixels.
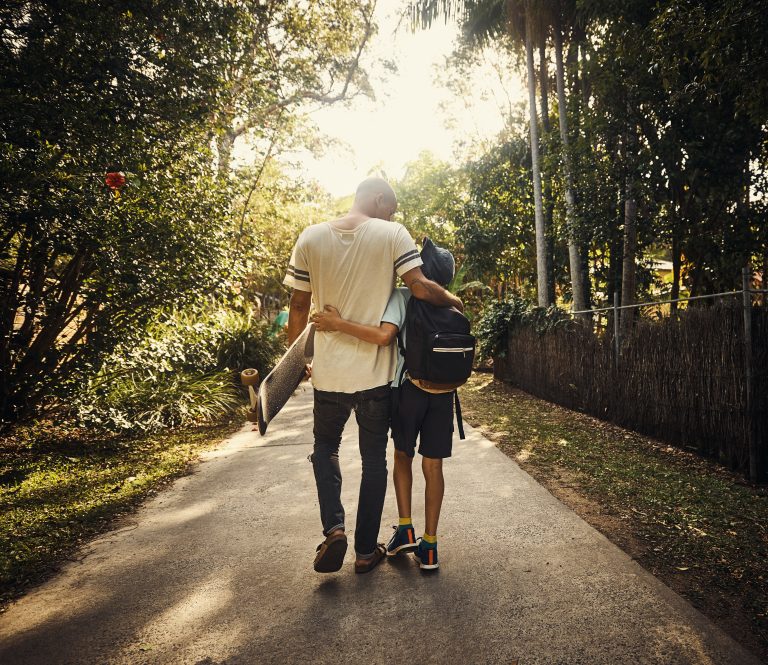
[
  {"x": 330, "y": 553},
  {"x": 367, "y": 565}
]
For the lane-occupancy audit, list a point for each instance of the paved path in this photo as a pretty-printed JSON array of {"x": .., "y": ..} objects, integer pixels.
[{"x": 217, "y": 570}]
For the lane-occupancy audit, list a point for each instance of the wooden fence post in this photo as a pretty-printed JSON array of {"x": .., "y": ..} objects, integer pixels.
[{"x": 755, "y": 456}]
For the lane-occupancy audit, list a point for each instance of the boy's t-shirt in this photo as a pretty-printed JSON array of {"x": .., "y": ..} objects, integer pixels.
[{"x": 395, "y": 314}]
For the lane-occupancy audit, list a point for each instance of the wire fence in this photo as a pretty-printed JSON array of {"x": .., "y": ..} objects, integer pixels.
[{"x": 698, "y": 379}]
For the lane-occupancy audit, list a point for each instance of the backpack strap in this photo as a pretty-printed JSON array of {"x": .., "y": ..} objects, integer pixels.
[
  {"x": 400, "y": 344},
  {"x": 459, "y": 421}
]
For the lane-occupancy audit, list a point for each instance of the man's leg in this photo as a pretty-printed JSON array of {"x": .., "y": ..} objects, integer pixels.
[
  {"x": 433, "y": 493},
  {"x": 372, "y": 412},
  {"x": 331, "y": 414}
]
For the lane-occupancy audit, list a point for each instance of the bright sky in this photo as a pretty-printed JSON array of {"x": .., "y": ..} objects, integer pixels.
[{"x": 406, "y": 118}]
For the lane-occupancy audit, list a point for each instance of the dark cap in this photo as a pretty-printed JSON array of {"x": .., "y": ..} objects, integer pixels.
[{"x": 439, "y": 265}]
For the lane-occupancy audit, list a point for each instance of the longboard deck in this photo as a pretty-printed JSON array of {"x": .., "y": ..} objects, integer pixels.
[{"x": 278, "y": 386}]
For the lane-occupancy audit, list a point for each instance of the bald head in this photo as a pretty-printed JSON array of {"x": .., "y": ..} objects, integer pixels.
[{"x": 375, "y": 198}]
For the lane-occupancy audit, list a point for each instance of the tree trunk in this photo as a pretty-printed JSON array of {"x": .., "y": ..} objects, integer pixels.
[
  {"x": 764, "y": 283},
  {"x": 676, "y": 264},
  {"x": 549, "y": 204},
  {"x": 628, "y": 281},
  {"x": 224, "y": 145},
  {"x": 542, "y": 267},
  {"x": 574, "y": 253}
]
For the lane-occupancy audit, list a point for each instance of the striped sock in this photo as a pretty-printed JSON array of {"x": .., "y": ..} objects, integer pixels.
[
  {"x": 405, "y": 521},
  {"x": 432, "y": 540}
]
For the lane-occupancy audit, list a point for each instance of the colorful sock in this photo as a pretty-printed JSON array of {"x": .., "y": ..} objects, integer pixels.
[
  {"x": 432, "y": 540},
  {"x": 405, "y": 521}
]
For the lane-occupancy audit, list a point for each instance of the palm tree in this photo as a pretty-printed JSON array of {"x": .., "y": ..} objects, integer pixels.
[
  {"x": 486, "y": 20},
  {"x": 578, "y": 277}
]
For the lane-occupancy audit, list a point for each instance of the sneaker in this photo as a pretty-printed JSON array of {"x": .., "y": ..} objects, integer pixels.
[
  {"x": 426, "y": 553},
  {"x": 403, "y": 540}
]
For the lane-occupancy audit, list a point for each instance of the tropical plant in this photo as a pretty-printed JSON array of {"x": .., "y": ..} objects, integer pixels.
[
  {"x": 503, "y": 316},
  {"x": 181, "y": 370}
]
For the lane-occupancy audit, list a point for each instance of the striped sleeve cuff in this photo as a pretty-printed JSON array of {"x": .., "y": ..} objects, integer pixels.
[
  {"x": 407, "y": 261},
  {"x": 296, "y": 278}
]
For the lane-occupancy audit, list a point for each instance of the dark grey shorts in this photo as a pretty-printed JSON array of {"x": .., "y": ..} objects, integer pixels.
[{"x": 426, "y": 416}]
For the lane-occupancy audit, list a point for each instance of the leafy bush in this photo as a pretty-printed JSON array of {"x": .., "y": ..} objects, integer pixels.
[
  {"x": 183, "y": 371},
  {"x": 499, "y": 317},
  {"x": 151, "y": 403}
]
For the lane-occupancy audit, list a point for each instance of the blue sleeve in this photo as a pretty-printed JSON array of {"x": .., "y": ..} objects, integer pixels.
[{"x": 395, "y": 311}]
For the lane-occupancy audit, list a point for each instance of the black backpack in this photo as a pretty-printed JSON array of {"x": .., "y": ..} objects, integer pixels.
[{"x": 440, "y": 350}]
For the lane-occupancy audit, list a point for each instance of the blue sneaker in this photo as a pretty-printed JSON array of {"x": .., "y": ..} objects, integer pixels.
[
  {"x": 426, "y": 553},
  {"x": 403, "y": 540}
]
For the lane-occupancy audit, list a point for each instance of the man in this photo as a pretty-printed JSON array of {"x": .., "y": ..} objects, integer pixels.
[{"x": 349, "y": 263}]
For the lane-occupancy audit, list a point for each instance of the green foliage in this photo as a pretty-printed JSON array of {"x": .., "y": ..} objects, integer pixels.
[
  {"x": 666, "y": 105},
  {"x": 282, "y": 55},
  {"x": 502, "y": 316},
  {"x": 494, "y": 224},
  {"x": 181, "y": 371},
  {"x": 430, "y": 196},
  {"x": 90, "y": 87},
  {"x": 268, "y": 219}
]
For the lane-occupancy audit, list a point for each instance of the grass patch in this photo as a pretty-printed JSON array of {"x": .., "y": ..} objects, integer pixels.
[
  {"x": 58, "y": 489},
  {"x": 698, "y": 527}
]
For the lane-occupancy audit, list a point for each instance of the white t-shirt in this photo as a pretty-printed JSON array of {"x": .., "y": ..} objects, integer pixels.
[{"x": 354, "y": 271}]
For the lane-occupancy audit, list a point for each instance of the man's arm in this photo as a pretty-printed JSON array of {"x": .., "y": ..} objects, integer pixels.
[
  {"x": 330, "y": 319},
  {"x": 298, "y": 313},
  {"x": 429, "y": 291}
]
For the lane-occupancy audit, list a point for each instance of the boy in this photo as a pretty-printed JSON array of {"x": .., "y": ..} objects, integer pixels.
[{"x": 417, "y": 412}]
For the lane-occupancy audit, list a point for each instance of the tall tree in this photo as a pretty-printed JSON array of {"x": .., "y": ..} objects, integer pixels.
[
  {"x": 549, "y": 204},
  {"x": 286, "y": 53},
  {"x": 90, "y": 89},
  {"x": 487, "y": 19},
  {"x": 578, "y": 277}
]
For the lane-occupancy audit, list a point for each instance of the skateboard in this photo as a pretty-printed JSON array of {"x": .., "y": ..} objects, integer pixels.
[{"x": 278, "y": 386}]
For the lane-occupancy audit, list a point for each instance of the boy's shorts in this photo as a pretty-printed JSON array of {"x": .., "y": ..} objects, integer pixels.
[{"x": 428, "y": 416}]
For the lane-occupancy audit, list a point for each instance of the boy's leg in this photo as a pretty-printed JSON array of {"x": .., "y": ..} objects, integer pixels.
[
  {"x": 406, "y": 421},
  {"x": 433, "y": 493},
  {"x": 403, "y": 478},
  {"x": 435, "y": 445},
  {"x": 405, "y": 425}
]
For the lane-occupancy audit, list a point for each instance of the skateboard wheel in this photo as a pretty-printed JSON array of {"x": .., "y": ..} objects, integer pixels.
[
  {"x": 249, "y": 377},
  {"x": 253, "y": 416}
]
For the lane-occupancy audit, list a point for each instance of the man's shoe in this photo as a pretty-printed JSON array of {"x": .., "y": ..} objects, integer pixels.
[
  {"x": 426, "y": 553},
  {"x": 367, "y": 565},
  {"x": 403, "y": 540},
  {"x": 330, "y": 553}
]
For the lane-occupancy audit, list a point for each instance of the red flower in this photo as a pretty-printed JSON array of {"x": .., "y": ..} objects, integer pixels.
[{"x": 115, "y": 180}]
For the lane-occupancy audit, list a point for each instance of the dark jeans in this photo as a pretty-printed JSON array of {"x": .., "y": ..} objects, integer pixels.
[{"x": 331, "y": 414}]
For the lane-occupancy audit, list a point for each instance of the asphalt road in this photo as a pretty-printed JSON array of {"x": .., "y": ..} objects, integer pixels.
[{"x": 218, "y": 569}]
